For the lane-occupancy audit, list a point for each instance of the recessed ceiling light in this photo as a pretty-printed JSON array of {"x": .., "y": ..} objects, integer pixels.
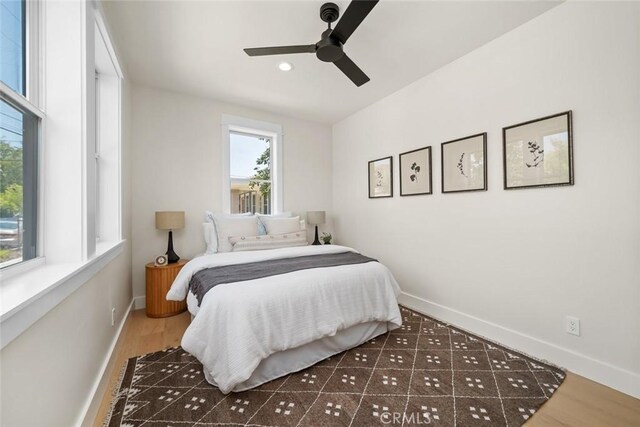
[{"x": 285, "y": 66}]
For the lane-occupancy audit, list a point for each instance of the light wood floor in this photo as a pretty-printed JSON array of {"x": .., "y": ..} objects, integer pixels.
[{"x": 578, "y": 402}]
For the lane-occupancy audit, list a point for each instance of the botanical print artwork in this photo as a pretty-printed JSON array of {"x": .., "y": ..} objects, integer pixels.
[
  {"x": 415, "y": 172},
  {"x": 381, "y": 178},
  {"x": 464, "y": 164},
  {"x": 461, "y": 165},
  {"x": 538, "y": 153}
]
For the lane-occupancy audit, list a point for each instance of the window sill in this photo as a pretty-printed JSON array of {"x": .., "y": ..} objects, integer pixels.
[{"x": 28, "y": 296}]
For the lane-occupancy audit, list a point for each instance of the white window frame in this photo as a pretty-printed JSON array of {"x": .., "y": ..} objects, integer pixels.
[
  {"x": 107, "y": 181},
  {"x": 34, "y": 41},
  {"x": 259, "y": 128}
]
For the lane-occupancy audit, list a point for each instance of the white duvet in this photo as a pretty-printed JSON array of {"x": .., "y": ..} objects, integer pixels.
[{"x": 240, "y": 324}]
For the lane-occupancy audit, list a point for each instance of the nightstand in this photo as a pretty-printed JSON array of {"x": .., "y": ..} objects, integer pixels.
[{"x": 159, "y": 280}]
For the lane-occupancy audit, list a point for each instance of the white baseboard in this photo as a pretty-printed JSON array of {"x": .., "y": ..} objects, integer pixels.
[
  {"x": 91, "y": 406},
  {"x": 139, "y": 302},
  {"x": 617, "y": 378}
]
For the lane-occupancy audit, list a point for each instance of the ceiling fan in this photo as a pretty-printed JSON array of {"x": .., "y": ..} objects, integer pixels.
[{"x": 329, "y": 48}]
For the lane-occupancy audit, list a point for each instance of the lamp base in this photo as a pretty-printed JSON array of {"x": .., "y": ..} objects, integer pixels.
[
  {"x": 172, "y": 257},
  {"x": 316, "y": 241}
]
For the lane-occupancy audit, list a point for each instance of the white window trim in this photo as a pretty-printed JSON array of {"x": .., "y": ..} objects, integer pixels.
[
  {"x": 255, "y": 127},
  {"x": 104, "y": 33},
  {"x": 34, "y": 42}
]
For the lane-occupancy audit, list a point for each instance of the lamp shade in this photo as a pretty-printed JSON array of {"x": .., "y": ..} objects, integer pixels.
[
  {"x": 316, "y": 217},
  {"x": 169, "y": 220}
]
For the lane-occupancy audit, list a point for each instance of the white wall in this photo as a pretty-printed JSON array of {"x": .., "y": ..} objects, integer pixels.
[
  {"x": 49, "y": 371},
  {"x": 177, "y": 166},
  {"x": 512, "y": 264}
]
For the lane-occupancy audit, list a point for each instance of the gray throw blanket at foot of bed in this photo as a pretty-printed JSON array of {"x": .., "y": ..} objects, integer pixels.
[{"x": 204, "y": 280}]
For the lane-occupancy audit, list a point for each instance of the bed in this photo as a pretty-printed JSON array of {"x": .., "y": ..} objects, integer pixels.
[{"x": 251, "y": 332}]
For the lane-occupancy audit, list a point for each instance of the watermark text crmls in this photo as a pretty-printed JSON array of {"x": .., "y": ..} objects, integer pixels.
[{"x": 411, "y": 418}]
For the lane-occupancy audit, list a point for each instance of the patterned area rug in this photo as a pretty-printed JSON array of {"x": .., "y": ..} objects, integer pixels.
[{"x": 426, "y": 372}]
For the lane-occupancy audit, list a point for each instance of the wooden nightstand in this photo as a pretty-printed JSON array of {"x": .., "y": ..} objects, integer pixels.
[{"x": 159, "y": 280}]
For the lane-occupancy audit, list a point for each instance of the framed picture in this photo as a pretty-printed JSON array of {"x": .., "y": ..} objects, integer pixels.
[
  {"x": 415, "y": 172},
  {"x": 538, "y": 153},
  {"x": 381, "y": 178},
  {"x": 464, "y": 164}
]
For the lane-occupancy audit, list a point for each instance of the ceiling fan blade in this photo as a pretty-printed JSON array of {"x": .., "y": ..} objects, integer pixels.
[
  {"x": 280, "y": 50},
  {"x": 352, "y": 18},
  {"x": 351, "y": 70}
]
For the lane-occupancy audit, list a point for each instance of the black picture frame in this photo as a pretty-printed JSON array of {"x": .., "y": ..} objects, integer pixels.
[
  {"x": 453, "y": 164},
  {"x": 521, "y": 163},
  {"x": 385, "y": 186},
  {"x": 409, "y": 157}
]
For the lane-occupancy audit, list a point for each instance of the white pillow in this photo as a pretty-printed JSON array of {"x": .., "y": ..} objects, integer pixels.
[
  {"x": 210, "y": 237},
  {"x": 281, "y": 225},
  {"x": 210, "y": 234},
  {"x": 272, "y": 241},
  {"x": 209, "y": 216},
  {"x": 234, "y": 226},
  {"x": 261, "y": 229}
]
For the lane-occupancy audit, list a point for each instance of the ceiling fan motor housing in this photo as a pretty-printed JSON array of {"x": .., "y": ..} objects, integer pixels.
[{"x": 329, "y": 49}]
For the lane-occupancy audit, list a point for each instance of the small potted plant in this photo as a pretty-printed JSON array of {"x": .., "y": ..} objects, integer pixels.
[{"x": 326, "y": 238}]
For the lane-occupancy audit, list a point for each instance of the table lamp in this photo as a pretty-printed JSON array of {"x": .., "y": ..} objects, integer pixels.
[
  {"x": 315, "y": 218},
  {"x": 170, "y": 220}
]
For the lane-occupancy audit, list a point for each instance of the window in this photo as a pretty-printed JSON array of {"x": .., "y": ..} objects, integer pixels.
[
  {"x": 19, "y": 136},
  {"x": 106, "y": 147},
  {"x": 252, "y": 166}
]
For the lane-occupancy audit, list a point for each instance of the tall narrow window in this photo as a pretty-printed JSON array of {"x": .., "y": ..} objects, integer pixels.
[
  {"x": 250, "y": 173},
  {"x": 97, "y": 158},
  {"x": 252, "y": 178},
  {"x": 19, "y": 125},
  {"x": 106, "y": 150}
]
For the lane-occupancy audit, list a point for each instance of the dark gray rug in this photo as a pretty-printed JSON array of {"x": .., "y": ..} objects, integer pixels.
[{"x": 426, "y": 372}]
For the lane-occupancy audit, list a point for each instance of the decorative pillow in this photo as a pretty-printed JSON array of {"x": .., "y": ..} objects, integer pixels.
[
  {"x": 281, "y": 225},
  {"x": 210, "y": 233},
  {"x": 272, "y": 241},
  {"x": 261, "y": 229},
  {"x": 234, "y": 226}
]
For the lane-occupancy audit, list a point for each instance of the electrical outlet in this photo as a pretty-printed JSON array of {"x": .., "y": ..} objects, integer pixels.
[
  {"x": 113, "y": 316},
  {"x": 572, "y": 325}
]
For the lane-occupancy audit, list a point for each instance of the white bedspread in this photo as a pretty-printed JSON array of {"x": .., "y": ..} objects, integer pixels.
[{"x": 240, "y": 324}]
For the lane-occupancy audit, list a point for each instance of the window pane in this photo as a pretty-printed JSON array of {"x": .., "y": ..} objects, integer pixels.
[
  {"x": 250, "y": 166},
  {"x": 18, "y": 179},
  {"x": 12, "y": 44}
]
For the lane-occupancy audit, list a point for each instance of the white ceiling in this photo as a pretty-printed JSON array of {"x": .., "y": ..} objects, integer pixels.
[{"x": 195, "y": 47}]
